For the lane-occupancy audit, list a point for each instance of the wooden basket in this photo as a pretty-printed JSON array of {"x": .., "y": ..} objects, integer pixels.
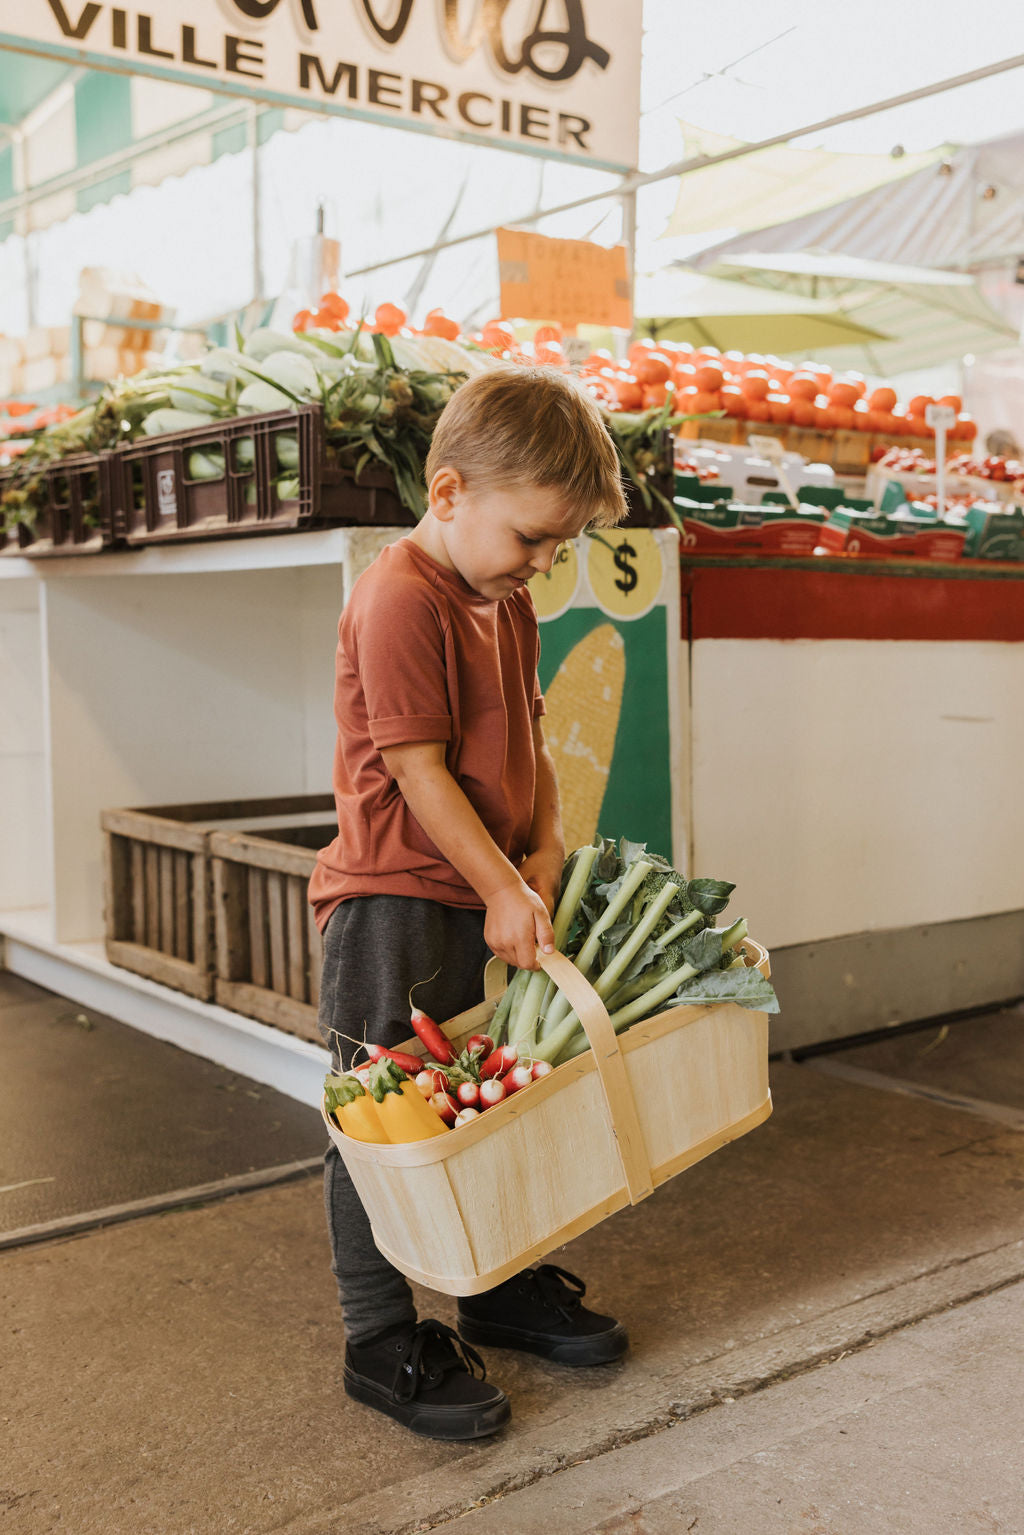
[{"x": 462, "y": 1212}]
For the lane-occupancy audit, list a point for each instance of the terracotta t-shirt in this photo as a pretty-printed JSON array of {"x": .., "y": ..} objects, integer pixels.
[{"x": 422, "y": 657}]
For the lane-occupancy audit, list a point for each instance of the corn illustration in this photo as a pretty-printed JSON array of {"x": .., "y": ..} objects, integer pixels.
[{"x": 584, "y": 701}]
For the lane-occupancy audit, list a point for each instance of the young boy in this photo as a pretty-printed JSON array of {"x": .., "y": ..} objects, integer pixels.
[{"x": 450, "y": 843}]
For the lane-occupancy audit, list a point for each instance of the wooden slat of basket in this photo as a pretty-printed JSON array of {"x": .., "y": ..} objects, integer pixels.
[
  {"x": 259, "y": 852},
  {"x": 258, "y": 957},
  {"x": 138, "y": 930},
  {"x": 285, "y": 1013},
  {"x": 611, "y": 1069},
  {"x": 315, "y": 942},
  {"x": 295, "y": 934},
  {"x": 165, "y": 861},
  {"x": 164, "y": 968},
  {"x": 152, "y": 828},
  {"x": 151, "y": 860},
  {"x": 182, "y": 905},
  {"x": 276, "y": 933}
]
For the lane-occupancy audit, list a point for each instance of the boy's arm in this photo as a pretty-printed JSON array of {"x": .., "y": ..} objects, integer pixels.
[
  {"x": 542, "y": 866},
  {"x": 517, "y": 919}
]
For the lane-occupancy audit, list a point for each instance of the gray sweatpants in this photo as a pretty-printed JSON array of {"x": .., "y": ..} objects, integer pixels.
[{"x": 375, "y": 948}]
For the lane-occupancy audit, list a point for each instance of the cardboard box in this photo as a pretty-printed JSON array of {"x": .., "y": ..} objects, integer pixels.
[
  {"x": 993, "y": 535},
  {"x": 735, "y": 528},
  {"x": 875, "y": 536}
]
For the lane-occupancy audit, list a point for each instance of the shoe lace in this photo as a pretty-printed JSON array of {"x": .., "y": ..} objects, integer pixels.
[
  {"x": 433, "y": 1349},
  {"x": 559, "y": 1289}
]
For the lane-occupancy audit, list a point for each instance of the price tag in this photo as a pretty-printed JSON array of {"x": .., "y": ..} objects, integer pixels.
[
  {"x": 771, "y": 449},
  {"x": 940, "y": 417},
  {"x": 577, "y": 349}
]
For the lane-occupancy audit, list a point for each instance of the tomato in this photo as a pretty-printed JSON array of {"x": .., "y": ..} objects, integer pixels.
[
  {"x": 756, "y": 386},
  {"x": 803, "y": 412},
  {"x": 654, "y": 368},
  {"x": 758, "y": 410},
  {"x": 335, "y": 304},
  {"x": 882, "y": 399},
  {"x": 656, "y": 394},
  {"x": 390, "y": 319},
  {"x": 781, "y": 408},
  {"x": 437, "y": 323},
  {"x": 628, "y": 392},
  {"x": 918, "y": 404},
  {"x": 843, "y": 393},
  {"x": 954, "y": 401},
  {"x": 303, "y": 320},
  {"x": 734, "y": 401},
  {"x": 498, "y": 335},
  {"x": 803, "y": 386},
  {"x": 324, "y": 319}
]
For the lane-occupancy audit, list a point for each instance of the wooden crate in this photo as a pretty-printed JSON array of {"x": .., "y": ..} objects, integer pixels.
[
  {"x": 158, "y": 888},
  {"x": 267, "y": 947},
  {"x": 462, "y": 1212},
  {"x": 725, "y": 429}
]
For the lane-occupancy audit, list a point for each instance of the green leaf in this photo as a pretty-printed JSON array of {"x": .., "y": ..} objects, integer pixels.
[
  {"x": 745, "y": 985},
  {"x": 710, "y": 896},
  {"x": 704, "y": 951}
]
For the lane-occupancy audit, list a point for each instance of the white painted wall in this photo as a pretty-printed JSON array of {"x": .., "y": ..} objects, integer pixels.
[
  {"x": 24, "y": 861},
  {"x": 853, "y": 785},
  {"x": 180, "y": 687}
]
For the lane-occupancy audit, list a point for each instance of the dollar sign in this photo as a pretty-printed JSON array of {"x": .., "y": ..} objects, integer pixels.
[{"x": 629, "y": 577}]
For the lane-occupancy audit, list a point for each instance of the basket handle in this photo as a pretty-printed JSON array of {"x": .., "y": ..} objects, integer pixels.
[{"x": 611, "y": 1068}]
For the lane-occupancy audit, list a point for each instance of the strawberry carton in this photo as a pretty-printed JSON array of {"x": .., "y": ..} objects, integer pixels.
[{"x": 736, "y": 528}]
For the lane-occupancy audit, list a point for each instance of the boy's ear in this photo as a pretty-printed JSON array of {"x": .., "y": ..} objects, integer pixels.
[{"x": 443, "y": 491}]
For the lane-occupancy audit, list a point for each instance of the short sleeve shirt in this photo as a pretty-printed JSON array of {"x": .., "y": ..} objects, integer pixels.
[{"x": 422, "y": 657}]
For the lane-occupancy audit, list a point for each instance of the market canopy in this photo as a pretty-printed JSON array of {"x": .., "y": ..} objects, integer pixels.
[
  {"x": 929, "y": 316},
  {"x": 678, "y": 305}
]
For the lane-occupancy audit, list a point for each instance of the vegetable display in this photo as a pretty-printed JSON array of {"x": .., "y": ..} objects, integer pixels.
[
  {"x": 381, "y": 387},
  {"x": 644, "y": 937}
]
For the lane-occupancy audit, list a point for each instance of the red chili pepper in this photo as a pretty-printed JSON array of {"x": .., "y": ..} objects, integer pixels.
[
  {"x": 427, "y": 1030},
  {"x": 410, "y": 1063}
]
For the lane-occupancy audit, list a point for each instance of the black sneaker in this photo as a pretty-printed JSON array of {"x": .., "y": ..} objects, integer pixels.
[
  {"x": 422, "y": 1375},
  {"x": 541, "y": 1310}
]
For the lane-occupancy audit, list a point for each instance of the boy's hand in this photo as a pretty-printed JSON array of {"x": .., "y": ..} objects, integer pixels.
[
  {"x": 517, "y": 924},
  {"x": 542, "y": 871}
]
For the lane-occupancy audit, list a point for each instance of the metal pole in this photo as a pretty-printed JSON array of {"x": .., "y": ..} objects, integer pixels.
[
  {"x": 636, "y": 179},
  {"x": 257, "y": 249}
]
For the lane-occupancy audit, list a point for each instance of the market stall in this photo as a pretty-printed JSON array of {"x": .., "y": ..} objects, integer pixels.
[{"x": 834, "y": 731}]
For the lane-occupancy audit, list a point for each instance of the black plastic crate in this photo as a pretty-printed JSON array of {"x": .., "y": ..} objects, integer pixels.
[
  {"x": 73, "y": 507},
  {"x": 252, "y": 474}
]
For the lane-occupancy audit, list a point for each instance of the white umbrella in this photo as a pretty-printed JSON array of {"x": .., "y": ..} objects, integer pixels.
[
  {"x": 679, "y": 305},
  {"x": 931, "y": 316}
]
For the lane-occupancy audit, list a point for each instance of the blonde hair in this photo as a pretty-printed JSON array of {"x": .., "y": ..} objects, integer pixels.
[{"x": 532, "y": 426}]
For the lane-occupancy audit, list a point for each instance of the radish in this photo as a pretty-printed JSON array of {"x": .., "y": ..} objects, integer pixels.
[
  {"x": 518, "y": 1078},
  {"x": 468, "y": 1094},
  {"x": 481, "y": 1044},
  {"x": 446, "y": 1106},
  {"x": 541, "y": 1069},
  {"x": 428, "y": 1032},
  {"x": 425, "y": 1082},
  {"x": 499, "y": 1061},
  {"x": 439, "y": 1079},
  {"x": 465, "y": 1117},
  {"x": 491, "y": 1092}
]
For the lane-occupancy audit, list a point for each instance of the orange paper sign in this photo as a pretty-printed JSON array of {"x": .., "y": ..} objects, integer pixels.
[{"x": 573, "y": 282}]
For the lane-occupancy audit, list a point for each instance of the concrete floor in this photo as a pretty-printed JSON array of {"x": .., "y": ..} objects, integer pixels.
[{"x": 825, "y": 1325}]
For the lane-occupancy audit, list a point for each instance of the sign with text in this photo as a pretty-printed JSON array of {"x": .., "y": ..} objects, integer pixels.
[
  {"x": 573, "y": 282},
  {"x": 555, "y": 77}
]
